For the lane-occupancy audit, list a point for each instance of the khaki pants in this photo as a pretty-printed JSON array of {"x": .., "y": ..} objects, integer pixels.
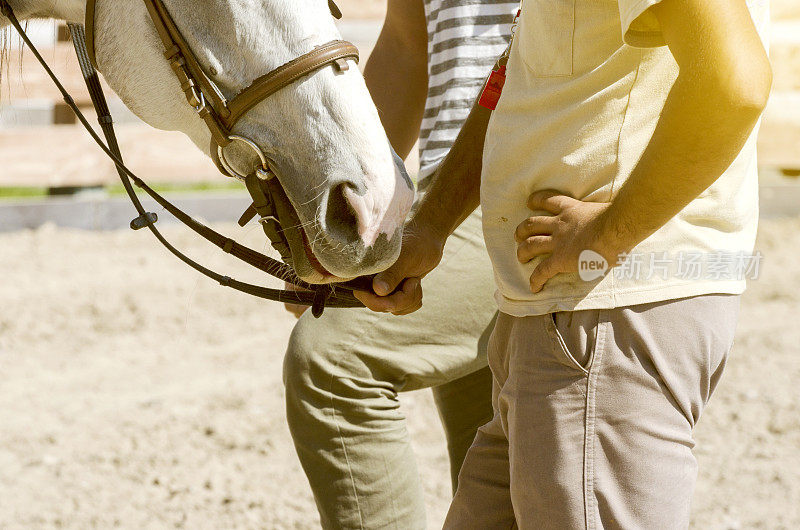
[
  {"x": 343, "y": 373},
  {"x": 593, "y": 417}
]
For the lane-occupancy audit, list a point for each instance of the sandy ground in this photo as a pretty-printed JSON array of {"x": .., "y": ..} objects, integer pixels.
[{"x": 135, "y": 394}]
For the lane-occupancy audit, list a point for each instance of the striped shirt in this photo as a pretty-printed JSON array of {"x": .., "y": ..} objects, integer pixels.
[{"x": 465, "y": 38}]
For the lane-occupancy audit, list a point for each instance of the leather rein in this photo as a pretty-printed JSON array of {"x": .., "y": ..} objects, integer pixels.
[{"x": 220, "y": 117}]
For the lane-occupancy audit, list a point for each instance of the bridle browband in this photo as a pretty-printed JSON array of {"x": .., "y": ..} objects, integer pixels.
[{"x": 220, "y": 116}]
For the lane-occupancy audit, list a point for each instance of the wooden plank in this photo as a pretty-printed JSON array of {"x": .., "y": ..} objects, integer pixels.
[
  {"x": 33, "y": 82},
  {"x": 64, "y": 156},
  {"x": 779, "y": 201},
  {"x": 779, "y": 138},
  {"x": 104, "y": 213},
  {"x": 785, "y": 55},
  {"x": 67, "y": 156},
  {"x": 363, "y": 9},
  {"x": 779, "y": 145}
]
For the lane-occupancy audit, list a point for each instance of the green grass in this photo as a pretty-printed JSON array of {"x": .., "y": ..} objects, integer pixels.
[
  {"x": 222, "y": 185},
  {"x": 19, "y": 192},
  {"x": 32, "y": 192}
]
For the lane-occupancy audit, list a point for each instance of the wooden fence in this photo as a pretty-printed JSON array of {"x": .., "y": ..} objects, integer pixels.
[{"x": 41, "y": 146}]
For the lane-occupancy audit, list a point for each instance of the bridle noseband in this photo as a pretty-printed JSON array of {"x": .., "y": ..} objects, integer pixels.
[{"x": 220, "y": 116}]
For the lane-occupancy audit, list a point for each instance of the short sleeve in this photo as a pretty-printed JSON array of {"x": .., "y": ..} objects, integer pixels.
[{"x": 640, "y": 27}]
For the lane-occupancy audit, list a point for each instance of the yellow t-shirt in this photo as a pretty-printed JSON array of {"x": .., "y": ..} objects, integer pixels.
[{"x": 587, "y": 81}]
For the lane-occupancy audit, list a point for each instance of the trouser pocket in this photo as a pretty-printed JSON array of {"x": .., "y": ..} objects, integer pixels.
[{"x": 574, "y": 335}]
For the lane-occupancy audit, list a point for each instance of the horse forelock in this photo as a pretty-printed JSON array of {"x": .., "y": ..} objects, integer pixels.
[
  {"x": 5, "y": 50},
  {"x": 7, "y": 33}
]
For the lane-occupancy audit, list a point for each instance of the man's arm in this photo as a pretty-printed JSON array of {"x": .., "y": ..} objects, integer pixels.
[
  {"x": 720, "y": 92},
  {"x": 452, "y": 196},
  {"x": 722, "y": 88},
  {"x": 397, "y": 73},
  {"x": 456, "y": 188}
]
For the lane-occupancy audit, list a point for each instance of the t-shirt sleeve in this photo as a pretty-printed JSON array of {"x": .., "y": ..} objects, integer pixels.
[{"x": 640, "y": 27}]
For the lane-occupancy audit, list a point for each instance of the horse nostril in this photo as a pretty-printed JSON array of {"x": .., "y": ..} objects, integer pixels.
[{"x": 341, "y": 219}]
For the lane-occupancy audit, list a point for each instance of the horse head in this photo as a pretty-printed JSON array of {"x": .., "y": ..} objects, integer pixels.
[{"x": 321, "y": 134}]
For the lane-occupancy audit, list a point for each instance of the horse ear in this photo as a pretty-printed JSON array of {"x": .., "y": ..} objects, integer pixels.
[{"x": 335, "y": 11}]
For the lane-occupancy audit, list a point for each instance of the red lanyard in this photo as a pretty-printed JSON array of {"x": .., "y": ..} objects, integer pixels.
[{"x": 497, "y": 79}]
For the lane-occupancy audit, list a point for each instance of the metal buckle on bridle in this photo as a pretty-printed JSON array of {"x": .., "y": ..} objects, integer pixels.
[
  {"x": 201, "y": 100},
  {"x": 268, "y": 218},
  {"x": 144, "y": 220},
  {"x": 264, "y": 173}
]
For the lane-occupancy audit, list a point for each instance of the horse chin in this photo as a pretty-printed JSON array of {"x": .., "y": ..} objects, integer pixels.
[{"x": 313, "y": 271}]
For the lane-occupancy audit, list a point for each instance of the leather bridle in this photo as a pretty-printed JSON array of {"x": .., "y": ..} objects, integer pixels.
[
  {"x": 205, "y": 97},
  {"x": 220, "y": 116}
]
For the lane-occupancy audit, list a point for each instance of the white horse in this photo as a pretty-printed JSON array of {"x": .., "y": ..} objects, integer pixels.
[{"x": 322, "y": 133}]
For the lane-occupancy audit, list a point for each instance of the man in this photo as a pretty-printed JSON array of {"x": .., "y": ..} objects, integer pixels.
[
  {"x": 343, "y": 372},
  {"x": 604, "y": 143}
]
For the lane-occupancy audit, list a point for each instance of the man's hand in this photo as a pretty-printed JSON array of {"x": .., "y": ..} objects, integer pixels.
[
  {"x": 572, "y": 227},
  {"x": 421, "y": 253},
  {"x": 296, "y": 309}
]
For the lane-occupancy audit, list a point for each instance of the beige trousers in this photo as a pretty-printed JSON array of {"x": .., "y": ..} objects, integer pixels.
[
  {"x": 344, "y": 371},
  {"x": 593, "y": 417}
]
